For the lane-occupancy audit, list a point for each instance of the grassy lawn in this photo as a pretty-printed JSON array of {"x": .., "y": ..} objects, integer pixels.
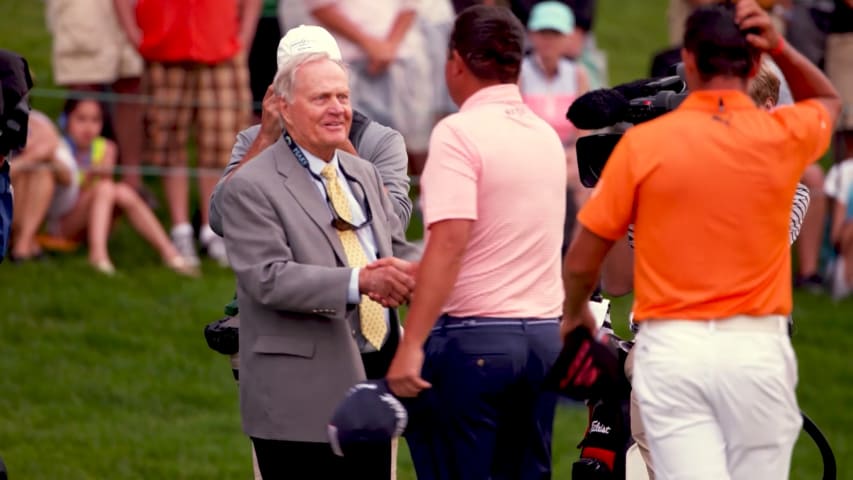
[{"x": 111, "y": 378}]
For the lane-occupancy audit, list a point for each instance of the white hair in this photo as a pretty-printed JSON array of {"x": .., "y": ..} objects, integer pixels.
[{"x": 285, "y": 78}]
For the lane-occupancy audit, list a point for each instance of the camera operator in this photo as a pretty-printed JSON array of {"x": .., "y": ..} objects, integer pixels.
[
  {"x": 15, "y": 82},
  {"x": 714, "y": 369}
]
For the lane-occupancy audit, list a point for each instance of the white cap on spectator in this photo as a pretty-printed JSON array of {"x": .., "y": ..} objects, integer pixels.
[{"x": 307, "y": 39}]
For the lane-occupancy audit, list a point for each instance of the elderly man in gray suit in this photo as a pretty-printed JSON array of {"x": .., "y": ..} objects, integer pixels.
[{"x": 321, "y": 261}]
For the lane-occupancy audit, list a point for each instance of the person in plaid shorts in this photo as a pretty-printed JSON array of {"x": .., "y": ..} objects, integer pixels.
[{"x": 197, "y": 81}]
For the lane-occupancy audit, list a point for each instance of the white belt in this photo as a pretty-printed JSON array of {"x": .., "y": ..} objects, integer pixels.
[{"x": 737, "y": 323}]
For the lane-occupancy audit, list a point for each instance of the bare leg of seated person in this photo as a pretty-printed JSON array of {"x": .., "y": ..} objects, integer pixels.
[
  {"x": 146, "y": 224},
  {"x": 92, "y": 215},
  {"x": 33, "y": 193}
]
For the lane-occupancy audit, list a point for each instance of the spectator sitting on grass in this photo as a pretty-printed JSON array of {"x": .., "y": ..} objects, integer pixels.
[
  {"x": 42, "y": 175},
  {"x": 90, "y": 211}
]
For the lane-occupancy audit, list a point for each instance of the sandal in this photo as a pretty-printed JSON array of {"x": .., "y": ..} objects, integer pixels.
[
  {"x": 181, "y": 266},
  {"x": 104, "y": 266}
]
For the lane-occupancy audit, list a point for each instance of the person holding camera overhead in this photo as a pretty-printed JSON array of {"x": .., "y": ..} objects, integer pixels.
[{"x": 709, "y": 188}]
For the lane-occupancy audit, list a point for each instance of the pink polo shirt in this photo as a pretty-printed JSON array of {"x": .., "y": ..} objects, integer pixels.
[{"x": 499, "y": 164}]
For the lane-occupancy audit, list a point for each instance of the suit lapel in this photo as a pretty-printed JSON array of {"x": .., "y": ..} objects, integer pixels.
[{"x": 298, "y": 181}]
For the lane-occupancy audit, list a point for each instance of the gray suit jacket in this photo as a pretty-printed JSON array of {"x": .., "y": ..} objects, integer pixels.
[{"x": 298, "y": 354}]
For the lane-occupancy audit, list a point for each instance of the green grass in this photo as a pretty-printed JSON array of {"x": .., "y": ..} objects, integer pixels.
[{"x": 110, "y": 377}]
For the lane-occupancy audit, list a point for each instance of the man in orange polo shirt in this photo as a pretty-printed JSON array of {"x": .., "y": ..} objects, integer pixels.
[{"x": 709, "y": 189}]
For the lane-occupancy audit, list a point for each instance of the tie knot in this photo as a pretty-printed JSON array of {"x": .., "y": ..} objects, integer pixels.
[{"x": 329, "y": 172}]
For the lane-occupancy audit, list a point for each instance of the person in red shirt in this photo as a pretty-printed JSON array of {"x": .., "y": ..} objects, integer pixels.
[{"x": 196, "y": 77}]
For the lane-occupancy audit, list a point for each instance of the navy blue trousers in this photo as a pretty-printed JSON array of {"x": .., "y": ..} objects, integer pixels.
[{"x": 486, "y": 416}]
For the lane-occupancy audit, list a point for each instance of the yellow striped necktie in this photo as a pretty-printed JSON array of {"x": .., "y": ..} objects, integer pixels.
[{"x": 372, "y": 314}]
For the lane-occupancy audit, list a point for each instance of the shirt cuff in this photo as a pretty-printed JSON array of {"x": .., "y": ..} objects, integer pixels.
[{"x": 353, "y": 296}]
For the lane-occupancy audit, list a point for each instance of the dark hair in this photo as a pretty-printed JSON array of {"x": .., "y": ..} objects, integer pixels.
[
  {"x": 718, "y": 43},
  {"x": 71, "y": 104},
  {"x": 490, "y": 41}
]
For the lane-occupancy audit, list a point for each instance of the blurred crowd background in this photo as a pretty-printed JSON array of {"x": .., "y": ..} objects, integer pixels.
[
  {"x": 155, "y": 91},
  {"x": 108, "y": 376}
]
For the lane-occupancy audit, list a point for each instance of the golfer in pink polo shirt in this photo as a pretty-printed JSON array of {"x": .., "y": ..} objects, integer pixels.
[{"x": 483, "y": 330}]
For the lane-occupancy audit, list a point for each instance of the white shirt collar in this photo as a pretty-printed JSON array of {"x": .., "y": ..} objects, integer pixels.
[{"x": 316, "y": 164}]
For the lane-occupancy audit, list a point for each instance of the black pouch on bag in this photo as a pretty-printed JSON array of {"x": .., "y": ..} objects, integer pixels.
[
  {"x": 223, "y": 335},
  {"x": 585, "y": 369},
  {"x": 605, "y": 443}
]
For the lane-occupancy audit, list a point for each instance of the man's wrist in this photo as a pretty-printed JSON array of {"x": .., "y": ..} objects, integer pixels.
[
  {"x": 354, "y": 288},
  {"x": 778, "y": 48},
  {"x": 410, "y": 343},
  {"x": 265, "y": 139}
]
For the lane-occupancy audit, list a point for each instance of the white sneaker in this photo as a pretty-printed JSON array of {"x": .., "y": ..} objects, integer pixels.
[
  {"x": 215, "y": 249},
  {"x": 213, "y": 245},
  {"x": 840, "y": 289},
  {"x": 182, "y": 238}
]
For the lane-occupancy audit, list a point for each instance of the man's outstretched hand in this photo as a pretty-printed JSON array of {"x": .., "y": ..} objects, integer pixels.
[{"x": 389, "y": 281}]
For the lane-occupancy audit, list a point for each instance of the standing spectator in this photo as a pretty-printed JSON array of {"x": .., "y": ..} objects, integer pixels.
[
  {"x": 839, "y": 68},
  {"x": 90, "y": 53},
  {"x": 676, "y": 16},
  {"x": 309, "y": 220},
  {"x": 483, "y": 324},
  {"x": 811, "y": 235},
  {"x": 261, "y": 70},
  {"x": 196, "y": 77},
  {"x": 549, "y": 83},
  {"x": 711, "y": 216},
  {"x": 390, "y": 71},
  {"x": 435, "y": 20},
  {"x": 581, "y": 44},
  {"x": 679, "y": 10},
  {"x": 839, "y": 187},
  {"x": 808, "y": 23}
]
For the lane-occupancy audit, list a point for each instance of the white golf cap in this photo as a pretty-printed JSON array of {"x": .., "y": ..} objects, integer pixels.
[{"x": 307, "y": 39}]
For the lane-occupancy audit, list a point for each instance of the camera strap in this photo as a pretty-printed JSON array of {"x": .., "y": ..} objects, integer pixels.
[{"x": 5, "y": 208}]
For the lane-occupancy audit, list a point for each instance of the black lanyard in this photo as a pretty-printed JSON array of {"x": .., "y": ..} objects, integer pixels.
[
  {"x": 297, "y": 152},
  {"x": 300, "y": 157}
]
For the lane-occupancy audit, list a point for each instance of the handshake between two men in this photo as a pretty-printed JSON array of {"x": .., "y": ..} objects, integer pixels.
[{"x": 389, "y": 281}]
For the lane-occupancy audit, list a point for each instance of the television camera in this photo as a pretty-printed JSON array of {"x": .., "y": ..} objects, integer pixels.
[
  {"x": 618, "y": 107},
  {"x": 15, "y": 82}
]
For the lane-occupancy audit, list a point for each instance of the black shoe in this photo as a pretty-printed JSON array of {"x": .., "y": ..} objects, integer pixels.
[{"x": 812, "y": 283}]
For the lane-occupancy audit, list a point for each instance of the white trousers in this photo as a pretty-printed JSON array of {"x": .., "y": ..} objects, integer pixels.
[{"x": 717, "y": 398}]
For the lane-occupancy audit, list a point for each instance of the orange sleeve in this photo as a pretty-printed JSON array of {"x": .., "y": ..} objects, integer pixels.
[
  {"x": 808, "y": 123},
  {"x": 610, "y": 208}
]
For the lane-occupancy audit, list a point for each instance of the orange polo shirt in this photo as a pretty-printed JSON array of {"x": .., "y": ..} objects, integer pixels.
[
  {"x": 709, "y": 189},
  {"x": 201, "y": 31}
]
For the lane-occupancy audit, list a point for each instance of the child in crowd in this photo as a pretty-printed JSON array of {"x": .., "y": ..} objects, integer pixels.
[
  {"x": 90, "y": 211},
  {"x": 550, "y": 82}
]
